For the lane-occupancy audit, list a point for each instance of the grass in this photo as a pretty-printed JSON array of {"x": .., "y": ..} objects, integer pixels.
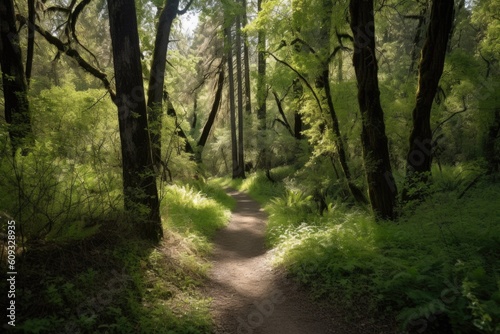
[{"x": 113, "y": 282}]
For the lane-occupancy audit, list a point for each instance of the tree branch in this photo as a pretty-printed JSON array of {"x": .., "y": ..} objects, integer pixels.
[
  {"x": 282, "y": 113},
  {"x": 301, "y": 78},
  {"x": 464, "y": 109},
  {"x": 70, "y": 52},
  {"x": 183, "y": 11},
  {"x": 298, "y": 40}
]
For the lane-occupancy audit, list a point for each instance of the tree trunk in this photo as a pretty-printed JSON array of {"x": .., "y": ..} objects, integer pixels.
[
  {"x": 419, "y": 156},
  {"x": 157, "y": 76},
  {"x": 246, "y": 59},
  {"x": 157, "y": 79},
  {"x": 232, "y": 107},
  {"x": 239, "y": 79},
  {"x": 356, "y": 193},
  {"x": 31, "y": 40},
  {"x": 262, "y": 96},
  {"x": 139, "y": 181},
  {"x": 298, "y": 124},
  {"x": 15, "y": 87},
  {"x": 382, "y": 192},
  {"x": 417, "y": 39},
  {"x": 215, "y": 108},
  {"x": 491, "y": 154}
]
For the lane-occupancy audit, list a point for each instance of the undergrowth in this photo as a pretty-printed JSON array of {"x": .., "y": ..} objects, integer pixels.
[
  {"x": 436, "y": 269},
  {"x": 113, "y": 282}
]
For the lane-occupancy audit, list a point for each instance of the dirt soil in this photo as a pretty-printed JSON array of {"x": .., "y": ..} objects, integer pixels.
[{"x": 250, "y": 297}]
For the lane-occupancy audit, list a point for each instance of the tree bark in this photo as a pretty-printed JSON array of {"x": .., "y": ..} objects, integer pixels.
[
  {"x": 264, "y": 161},
  {"x": 239, "y": 79},
  {"x": 246, "y": 59},
  {"x": 157, "y": 76},
  {"x": 139, "y": 181},
  {"x": 419, "y": 157},
  {"x": 15, "y": 87},
  {"x": 31, "y": 40},
  {"x": 215, "y": 108},
  {"x": 232, "y": 107},
  {"x": 382, "y": 191},
  {"x": 417, "y": 39}
]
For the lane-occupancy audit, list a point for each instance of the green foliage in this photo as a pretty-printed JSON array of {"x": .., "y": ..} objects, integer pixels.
[
  {"x": 436, "y": 265},
  {"x": 63, "y": 188}
]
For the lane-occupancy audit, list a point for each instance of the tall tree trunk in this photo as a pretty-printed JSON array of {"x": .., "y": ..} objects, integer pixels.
[
  {"x": 382, "y": 193},
  {"x": 215, "y": 107},
  {"x": 264, "y": 161},
  {"x": 15, "y": 87},
  {"x": 246, "y": 59},
  {"x": 239, "y": 79},
  {"x": 31, "y": 40},
  {"x": 157, "y": 78},
  {"x": 232, "y": 107},
  {"x": 419, "y": 156},
  {"x": 417, "y": 39},
  {"x": 139, "y": 181}
]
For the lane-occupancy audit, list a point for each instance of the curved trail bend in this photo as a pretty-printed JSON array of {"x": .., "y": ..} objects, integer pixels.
[{"x": 249, "y": 297}]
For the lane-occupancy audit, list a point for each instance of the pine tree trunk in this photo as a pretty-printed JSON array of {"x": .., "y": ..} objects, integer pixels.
[
  {"x": 139, "y": 181},
  {"x": 419, "y": 158},
  {"x": 15, "y": 87},
  {"x": 382, "y": 193}
]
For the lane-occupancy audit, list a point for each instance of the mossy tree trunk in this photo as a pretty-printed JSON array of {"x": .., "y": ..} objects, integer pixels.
[
  {"x": 15, "y": 87},
  {"x": 382, "y": 192}
]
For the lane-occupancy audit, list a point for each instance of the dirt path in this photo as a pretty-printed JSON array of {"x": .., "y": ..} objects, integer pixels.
[{"x": 249, "y": 297}]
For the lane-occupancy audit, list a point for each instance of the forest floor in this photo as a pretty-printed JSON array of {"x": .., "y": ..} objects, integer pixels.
[{"x": 251, "y": 297}]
